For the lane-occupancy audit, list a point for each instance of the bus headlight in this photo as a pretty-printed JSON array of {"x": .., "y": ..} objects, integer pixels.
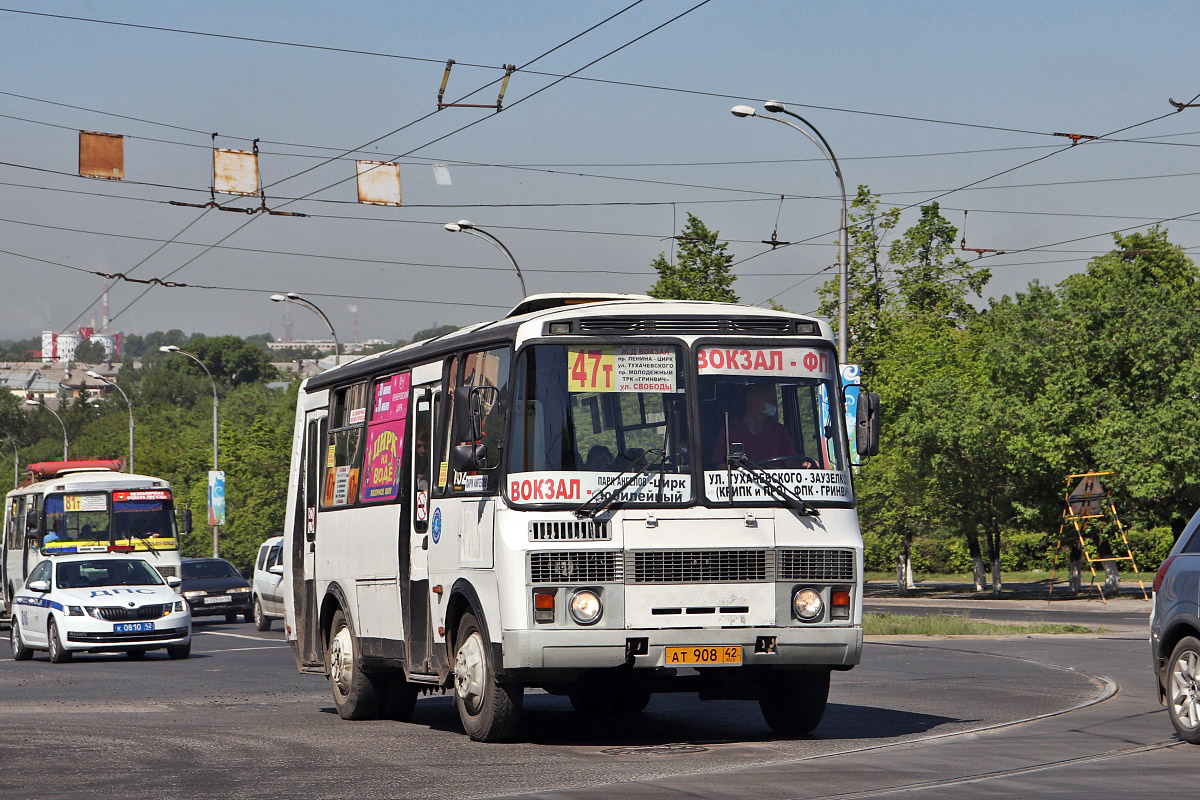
[
  {"x": 586, "y": 607},
  {"x": 807, "y": 605}
]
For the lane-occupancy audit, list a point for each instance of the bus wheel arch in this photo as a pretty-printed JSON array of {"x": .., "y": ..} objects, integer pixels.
[
  {"x": 463, "y": 600},
  {"x": 333, "y": 602}
]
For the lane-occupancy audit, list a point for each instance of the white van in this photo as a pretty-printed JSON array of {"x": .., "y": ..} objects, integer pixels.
[{"x": 268, "y": 583}]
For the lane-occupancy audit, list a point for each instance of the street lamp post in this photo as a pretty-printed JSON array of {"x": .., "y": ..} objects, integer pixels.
[
  {"x": 170, "y": 348},
  {"x": 776, "y": 107},
  {"x": 57, "y": 417},
  {"x": 292, "y": 297},
  {"x": 465, "y": 226},
  {"x": 97, "y": 376}
]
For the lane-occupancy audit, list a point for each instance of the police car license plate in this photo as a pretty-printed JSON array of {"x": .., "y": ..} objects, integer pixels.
[
  {"x": 133, "y": 627},
  {"x": 702, "y": 656},
  {"x": 212, "y": 601}
]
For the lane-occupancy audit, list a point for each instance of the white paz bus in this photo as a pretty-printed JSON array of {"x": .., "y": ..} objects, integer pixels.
[
  {"x": 66, "y": 507},
  {"x": 604, "y": 497}
]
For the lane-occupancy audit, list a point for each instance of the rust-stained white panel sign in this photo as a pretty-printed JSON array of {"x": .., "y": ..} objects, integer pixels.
[
  {"x": 378, "y": 183},
  {"x": 102, "y": 155},
  {"x": 235, "y": 171}
]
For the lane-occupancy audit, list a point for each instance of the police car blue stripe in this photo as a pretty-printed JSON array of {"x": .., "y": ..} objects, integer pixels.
[{"x": 40, "y": 602}]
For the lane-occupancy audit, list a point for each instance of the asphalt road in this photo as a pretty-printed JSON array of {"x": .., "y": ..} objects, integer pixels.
[{"x": 236, "y": 720}]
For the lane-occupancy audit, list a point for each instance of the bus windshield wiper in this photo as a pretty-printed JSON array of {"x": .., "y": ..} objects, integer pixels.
[
  {"x": 134, "y": 533},
  {"x": 770, "y": 484},
  {"x": 605, "y": 496}
]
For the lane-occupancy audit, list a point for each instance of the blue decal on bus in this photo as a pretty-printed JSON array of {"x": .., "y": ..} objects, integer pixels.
[{"x": 437, "y": 525}]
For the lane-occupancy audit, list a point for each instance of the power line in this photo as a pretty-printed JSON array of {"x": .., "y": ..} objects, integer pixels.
[
  {"x": 524, "y": 68},
  {"x": 176, "y": 285}
]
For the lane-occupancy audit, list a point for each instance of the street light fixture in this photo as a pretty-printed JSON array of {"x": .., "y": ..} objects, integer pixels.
[
  {"x": 292, "y": 297},
  {"x": 465, "y": 226},
  {"x": 97, "y": 376},
  {"x": 775, "y": 107},
  {"x": 169, "y": 349},
  {"x": 57, "y": 417}
]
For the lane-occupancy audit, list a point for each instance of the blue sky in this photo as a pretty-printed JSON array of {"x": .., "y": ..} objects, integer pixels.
[{"x": 1035, "y": 67}]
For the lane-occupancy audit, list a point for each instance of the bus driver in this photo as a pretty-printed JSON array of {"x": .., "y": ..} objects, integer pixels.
[{"x": 761, "y": 435}]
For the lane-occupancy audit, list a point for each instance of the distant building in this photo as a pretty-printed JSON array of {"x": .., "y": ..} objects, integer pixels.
[
  {"x": 325, "y": 345},
  {"x": 61, "y": 346}
]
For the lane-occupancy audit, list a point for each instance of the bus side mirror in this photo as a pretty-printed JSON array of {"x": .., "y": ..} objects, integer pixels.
[
  {"x": 866, "y": 424},
  {"x": 185, "y": 521},
  {"x": 31, "y": 521}
]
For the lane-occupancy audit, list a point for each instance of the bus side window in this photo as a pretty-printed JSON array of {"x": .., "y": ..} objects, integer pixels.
[
  {"x": 422, "y": 460},
  {"x": 344, "y": 454},
  {"x": 486, "y": 368},
  {"x": 443, "y": 418}
]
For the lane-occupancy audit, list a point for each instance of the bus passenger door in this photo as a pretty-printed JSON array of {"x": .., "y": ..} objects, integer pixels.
[
  {"x": 304, "y": 537},
  {"x": 414, "y": 581}
]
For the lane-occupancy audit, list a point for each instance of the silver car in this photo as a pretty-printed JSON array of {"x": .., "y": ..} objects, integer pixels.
[{"x": 1175, "y": 632}]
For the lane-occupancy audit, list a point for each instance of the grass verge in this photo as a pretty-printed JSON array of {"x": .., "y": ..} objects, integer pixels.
[
  {"x": 1023, "y": 576},
  {"x": 958, "y": 625}
]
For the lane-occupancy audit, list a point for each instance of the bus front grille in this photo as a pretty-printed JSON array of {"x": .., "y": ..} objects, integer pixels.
[
  {"x": 700, "y": 566},
  {"x": 815, "y": 564},
  {"x": 580, "y": 530},
  {"x": 568, "y": 566},
  {"x": 118, "y": 614}
]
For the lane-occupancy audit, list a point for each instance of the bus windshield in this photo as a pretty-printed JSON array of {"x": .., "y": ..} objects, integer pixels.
[
  {"x": 778, "y": 407},
  {"x": 132, "y": 517},
  {"x": 592, "y": 412}
]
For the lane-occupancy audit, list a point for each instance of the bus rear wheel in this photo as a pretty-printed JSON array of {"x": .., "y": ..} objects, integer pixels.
[
  {"x": 355, "y": 693},
  {"x": 490, "y": 710},
  {"x": 794, "y": 702}
]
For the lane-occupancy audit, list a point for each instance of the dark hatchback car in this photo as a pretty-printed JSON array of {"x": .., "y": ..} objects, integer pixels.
[
  {"x": 214, "y": 586},
  {"x": 1175, "y": 632}
]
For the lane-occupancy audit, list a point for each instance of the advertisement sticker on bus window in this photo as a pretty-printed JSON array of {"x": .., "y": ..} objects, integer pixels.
[
  {"x": 391, "y": 398},
  {"x": 85, "y": 502},
  {"x": 381, "y": 480},
  {"x": 422, "y": 512},
  {"x": 792, "y": 362},
  {"x": 636, "y": 368},
  {"x": 332, "y": 459},
  {"x": 341, "y": 486},
  {"x": 145, "y": 494},
  {"x": 358, "y": 416},
  {"x": 443, "y": 472}
]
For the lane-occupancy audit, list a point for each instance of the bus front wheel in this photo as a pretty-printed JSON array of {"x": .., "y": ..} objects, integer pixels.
[
  {"x": 794, "y": 702},
  {"x": 355, "y": 693},
  {"x": 489, "y": 710}
]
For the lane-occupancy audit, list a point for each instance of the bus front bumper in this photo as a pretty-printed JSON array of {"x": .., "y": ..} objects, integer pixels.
[{"x": 825, "y": 646}]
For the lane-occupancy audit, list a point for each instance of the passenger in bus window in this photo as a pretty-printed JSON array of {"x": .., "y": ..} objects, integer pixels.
[
  {"x": 599, "y": 459},
  {"x": 761, "y": 435},
  {"x": 57, "y": 533}
]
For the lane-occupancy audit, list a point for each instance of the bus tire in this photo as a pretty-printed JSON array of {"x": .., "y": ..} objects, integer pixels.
[
  {"x": 355, "y": 693},
  {"x": 490, "y": 710},
  {"x": 58, "y": 653},
  {"x": 261, "y": 621},
  {"x": 794, "y": 702},
  {"x": 399, "y": 698},
  {"x": 20, "y": 651}
]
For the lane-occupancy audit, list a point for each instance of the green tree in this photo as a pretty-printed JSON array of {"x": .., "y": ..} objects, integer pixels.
[
  {"x": 867, "y": 291},
  {"x": 90, "y": 352},
  {"x": 702, "y": 269},
  {"x": 930, "y": 278}
]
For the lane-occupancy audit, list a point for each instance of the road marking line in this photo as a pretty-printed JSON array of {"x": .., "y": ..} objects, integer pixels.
[
  {"x": 239, "y": 649},
  {"x": 234, "y": 635}
]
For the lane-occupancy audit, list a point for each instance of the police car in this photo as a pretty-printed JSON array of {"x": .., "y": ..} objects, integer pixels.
[{"x": 101, "y": 601}]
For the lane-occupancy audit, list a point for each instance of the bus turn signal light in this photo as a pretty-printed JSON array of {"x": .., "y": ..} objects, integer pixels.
[
  {"x": 543, "y": 605},
  {"x": 839, "y": 604}
]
